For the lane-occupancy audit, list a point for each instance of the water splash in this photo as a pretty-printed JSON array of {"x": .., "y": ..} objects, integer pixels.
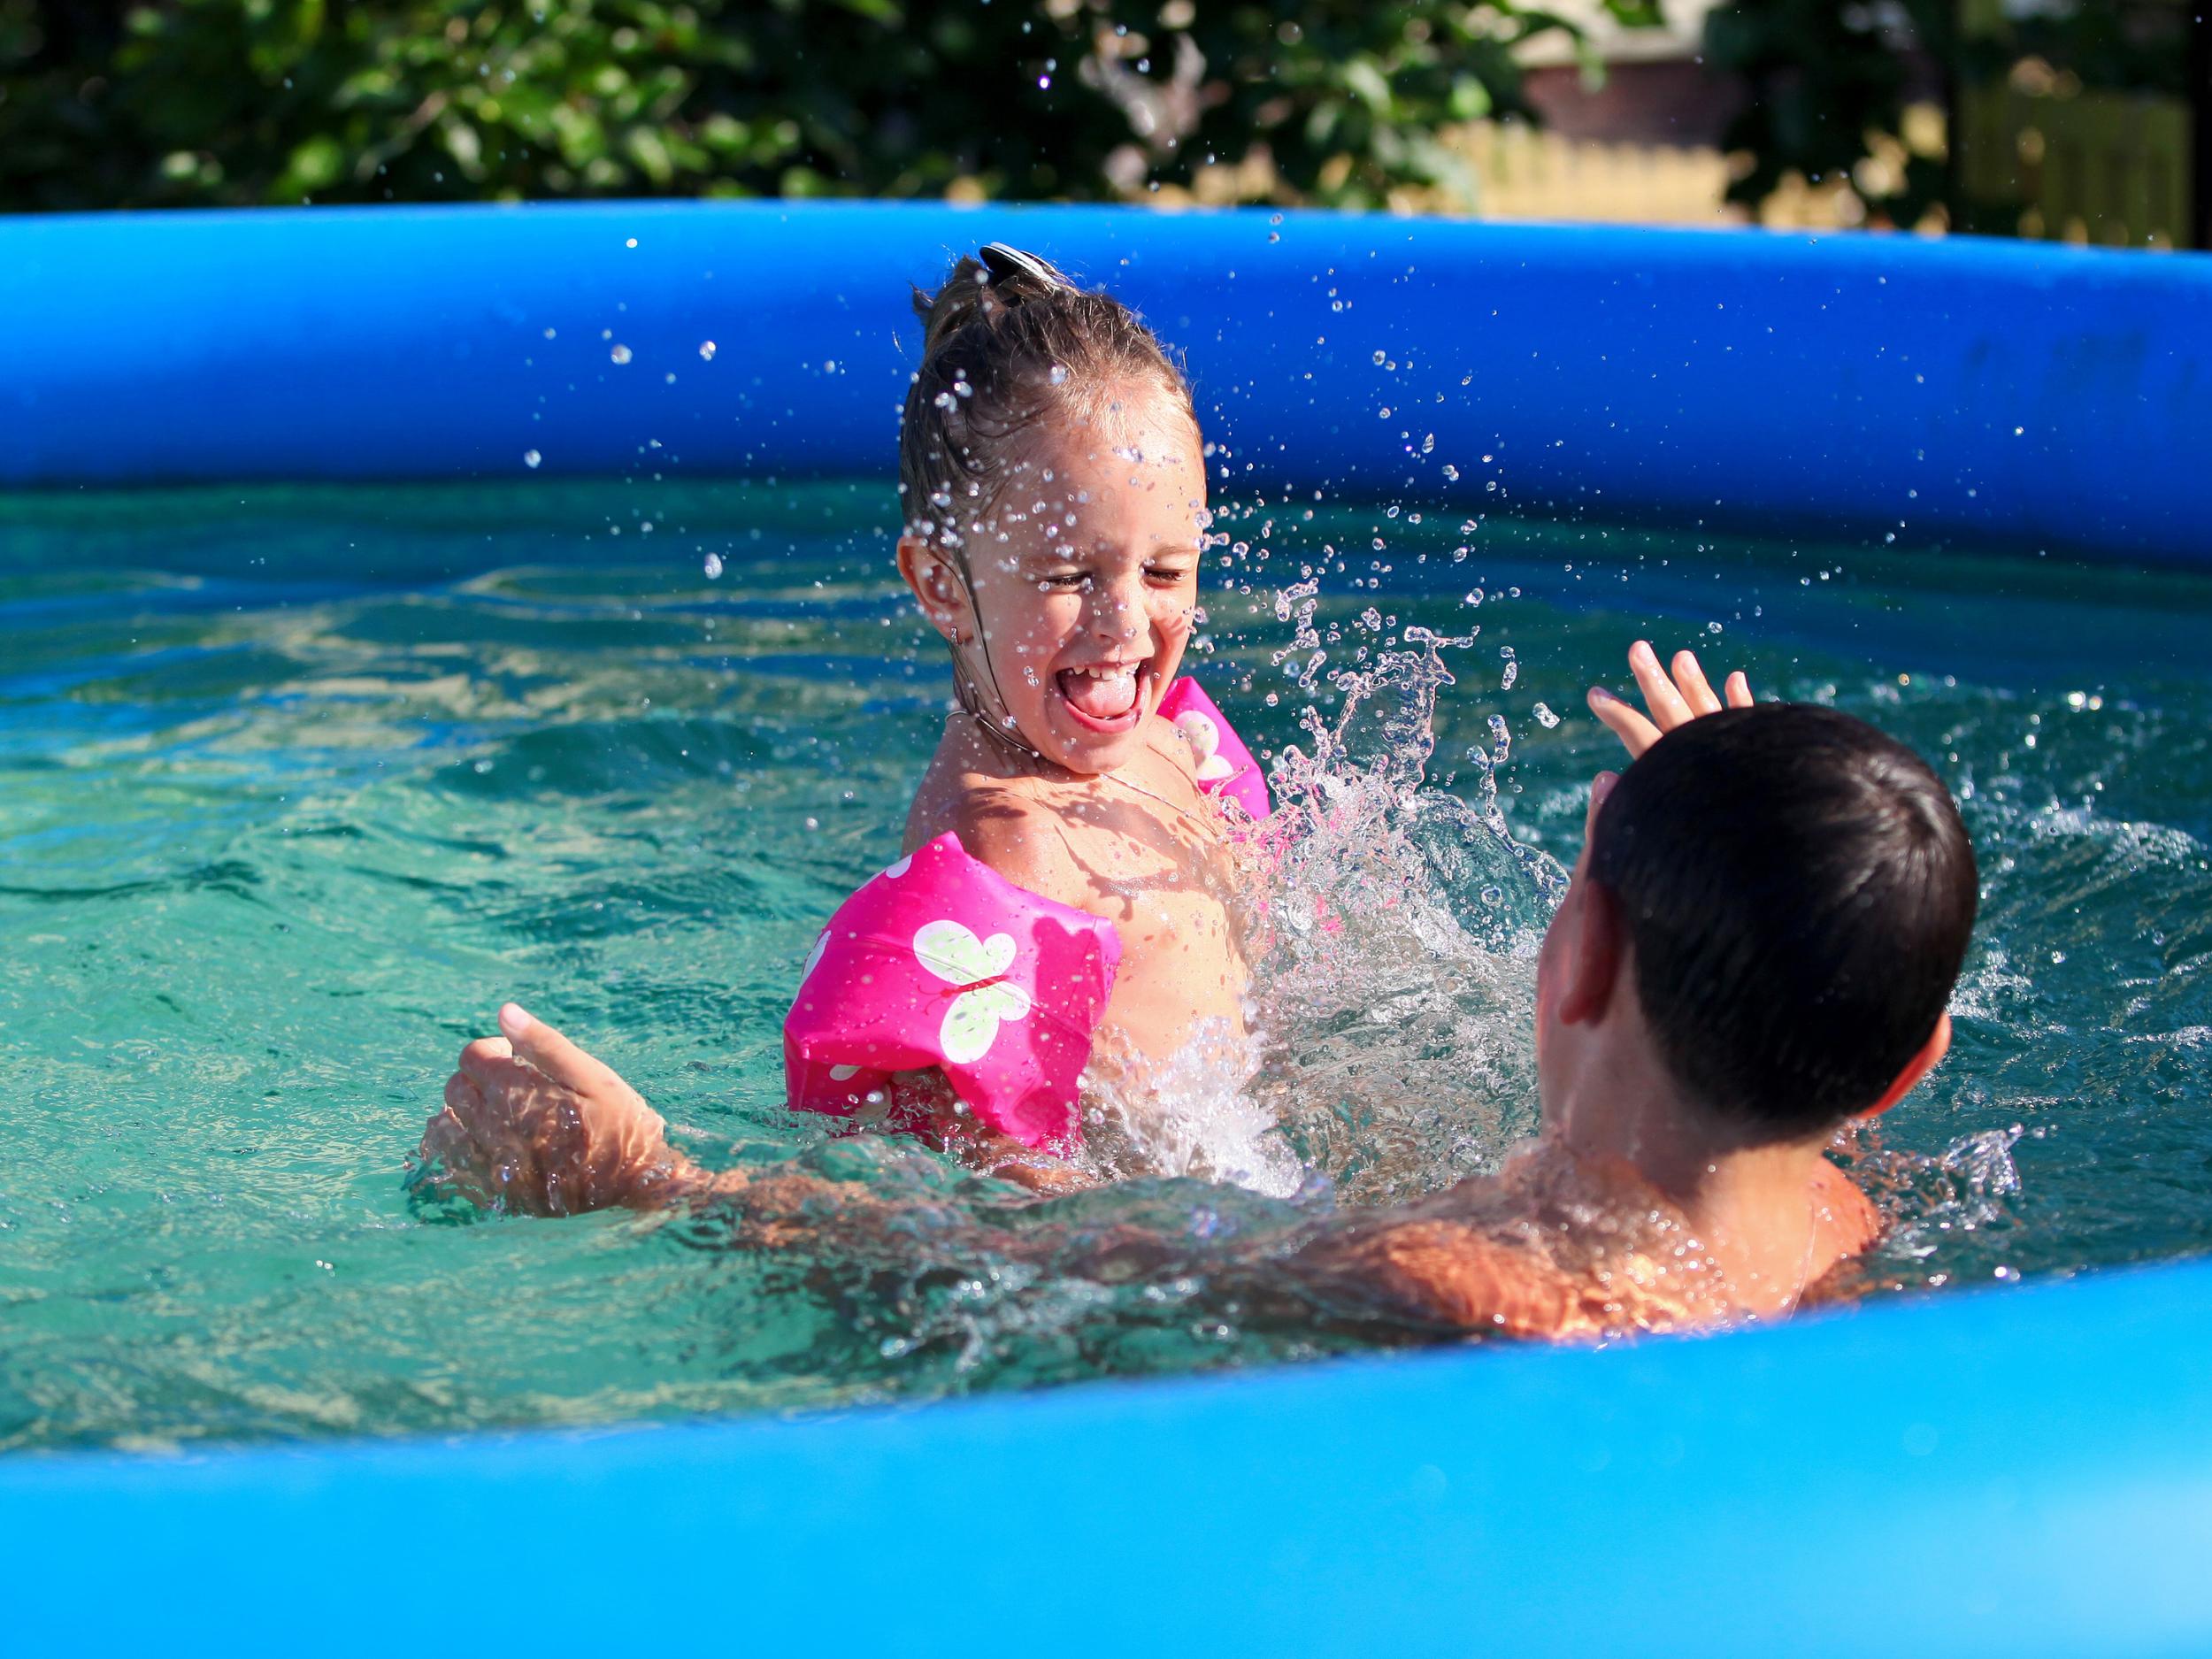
[
  {"x": 1928, "y": 1201},
  {"x": 1193, "y": 1114},
  {"x": 1391, "y": 932},
  {"x": 1392, "y": 943}
]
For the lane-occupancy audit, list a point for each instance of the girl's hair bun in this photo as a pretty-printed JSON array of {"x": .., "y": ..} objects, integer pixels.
[
  {"x": 1011, "y": 269},
  {"x": 1008, "y": 342},
  {"x": 983, "y": 286}
]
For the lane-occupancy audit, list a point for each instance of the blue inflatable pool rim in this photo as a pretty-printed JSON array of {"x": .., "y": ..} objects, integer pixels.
[{"x": 2017, "y": 1471}]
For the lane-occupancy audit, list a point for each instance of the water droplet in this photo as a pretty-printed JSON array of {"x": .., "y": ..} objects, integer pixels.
[{"x": 1545, "y": 718}]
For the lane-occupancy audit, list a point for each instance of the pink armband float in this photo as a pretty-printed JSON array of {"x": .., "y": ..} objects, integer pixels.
[
  {"x": 942, "y": 962},
  {"x": 1225, "y": 767}
]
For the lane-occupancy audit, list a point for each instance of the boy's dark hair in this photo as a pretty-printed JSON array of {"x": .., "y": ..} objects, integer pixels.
[
  {"x": 1800, "y": 893},
  {"x": 1005, "y": 342}
]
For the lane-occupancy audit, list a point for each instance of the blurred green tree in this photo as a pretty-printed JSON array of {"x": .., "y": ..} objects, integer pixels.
[
  {"x": 238, "y": 102},
  {"x": 1827, "y": 82}
]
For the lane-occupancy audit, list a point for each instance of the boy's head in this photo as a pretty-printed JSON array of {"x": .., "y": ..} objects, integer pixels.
[
  {"x": 1788, "y": 893},
  {"x": 1055, "y": 506}
]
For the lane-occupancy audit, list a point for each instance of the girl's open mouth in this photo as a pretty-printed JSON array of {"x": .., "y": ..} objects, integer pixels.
[{"x": 1104, "y": 696}]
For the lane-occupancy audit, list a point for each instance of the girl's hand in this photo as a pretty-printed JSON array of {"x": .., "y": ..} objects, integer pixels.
[
  {"x": 1671, "y": 701},
  {"x": 533, "y": 1124}
]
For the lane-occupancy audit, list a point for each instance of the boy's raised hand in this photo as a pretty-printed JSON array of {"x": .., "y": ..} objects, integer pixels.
[
  {"x": 532, "y": 1123},
  {"x": 1671, "y": 701}
]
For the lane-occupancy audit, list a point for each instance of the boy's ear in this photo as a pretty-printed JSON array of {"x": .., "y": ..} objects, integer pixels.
[
  {"x": 936, "y": 584},
  {"x": 1600, "y": 787},
  {"x": 1938, "y": 1045},
  {"x": 1594, "y": 955}
]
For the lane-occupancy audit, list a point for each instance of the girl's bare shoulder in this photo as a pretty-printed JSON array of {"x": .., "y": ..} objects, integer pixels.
[
  {"x": 1170, "y": 749},
  {"x": 966, "y": 789},
  {"x": 1014, "y": 824}
]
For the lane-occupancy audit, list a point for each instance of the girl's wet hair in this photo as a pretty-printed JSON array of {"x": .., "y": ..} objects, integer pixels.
[{"x": 1009, "y": 343}]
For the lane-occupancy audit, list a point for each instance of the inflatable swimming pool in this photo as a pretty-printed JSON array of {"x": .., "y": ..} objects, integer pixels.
[{"x": 2020, "y": 1471}]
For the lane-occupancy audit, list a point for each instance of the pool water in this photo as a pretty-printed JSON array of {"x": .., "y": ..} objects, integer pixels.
[{"x": 296, "y": 785}]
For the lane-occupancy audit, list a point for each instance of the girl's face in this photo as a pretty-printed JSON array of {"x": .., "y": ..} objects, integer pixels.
[{"x": 1086, "y": 579}]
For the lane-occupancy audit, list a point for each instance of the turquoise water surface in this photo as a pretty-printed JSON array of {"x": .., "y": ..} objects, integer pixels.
[{"x": 296, "y": 785}]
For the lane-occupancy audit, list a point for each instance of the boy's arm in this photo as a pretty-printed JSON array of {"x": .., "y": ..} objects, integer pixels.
[
  {"x": 1439, "y": 1273},
  {"x": 1672, "y": 703},
  {"x": 1025, "y": 840}
]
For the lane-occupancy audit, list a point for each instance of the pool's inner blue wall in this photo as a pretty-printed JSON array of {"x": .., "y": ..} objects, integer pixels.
[{"x": 2044, "y": 397}]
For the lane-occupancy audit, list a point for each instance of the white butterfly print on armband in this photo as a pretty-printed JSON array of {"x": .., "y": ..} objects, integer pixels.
[
  {"x": 1204, "y": 738},
  {"x": 955, "y": 956}
]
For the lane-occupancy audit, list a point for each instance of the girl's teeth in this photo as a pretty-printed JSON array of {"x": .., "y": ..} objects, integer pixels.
[{"x": 1103, "y": 693}]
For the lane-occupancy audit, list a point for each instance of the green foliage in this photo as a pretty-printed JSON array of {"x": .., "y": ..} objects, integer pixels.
[
  {"x": 1824, "y": 78},
  {"x": 1827, "y": 81},
  {"x": 188, "y": 101}
]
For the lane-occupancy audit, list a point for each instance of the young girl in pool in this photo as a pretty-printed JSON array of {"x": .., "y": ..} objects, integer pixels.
[{"x": 1060, "y": 924}]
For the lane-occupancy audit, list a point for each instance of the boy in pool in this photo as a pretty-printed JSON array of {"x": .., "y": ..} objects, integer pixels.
[{"x": 1769, "y": 911}]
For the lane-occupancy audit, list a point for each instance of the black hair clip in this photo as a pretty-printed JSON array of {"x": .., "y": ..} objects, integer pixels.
[{"x": 1004, "y": 262}]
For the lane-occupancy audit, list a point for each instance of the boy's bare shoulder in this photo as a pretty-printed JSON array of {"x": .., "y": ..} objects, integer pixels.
[
  {"x": 1847, "y": 1215},
  {"x": 1002, "y": 818},
  {"x": 1446, "y": 1272}
]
